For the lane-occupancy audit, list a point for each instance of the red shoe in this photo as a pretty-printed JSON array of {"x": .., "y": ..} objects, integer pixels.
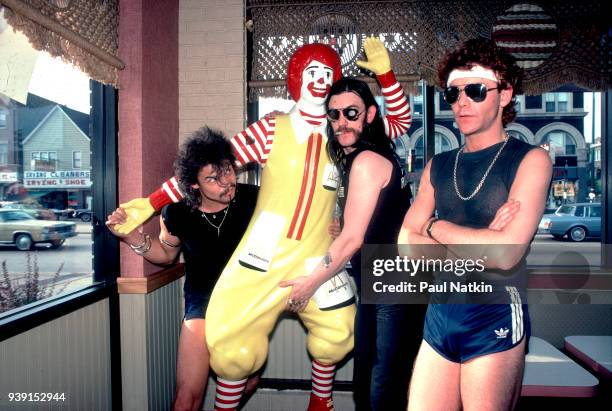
[{"x": 320, "y": 404}]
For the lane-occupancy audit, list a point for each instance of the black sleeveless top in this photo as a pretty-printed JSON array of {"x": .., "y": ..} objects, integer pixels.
[
  {"x": 391, "y": 207},
  {"x": 479, "y": 211}
]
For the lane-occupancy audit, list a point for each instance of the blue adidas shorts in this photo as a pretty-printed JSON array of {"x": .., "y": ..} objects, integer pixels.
[{"x": 460, "y": 332}]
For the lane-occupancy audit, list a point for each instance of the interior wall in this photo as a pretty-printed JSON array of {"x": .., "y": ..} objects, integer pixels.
[
  {"x": 69, "y": 355},
  {"x": 212, "y": 65}
]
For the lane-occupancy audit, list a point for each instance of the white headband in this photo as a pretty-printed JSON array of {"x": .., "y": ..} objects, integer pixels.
[{"x": 475, "y": 71}]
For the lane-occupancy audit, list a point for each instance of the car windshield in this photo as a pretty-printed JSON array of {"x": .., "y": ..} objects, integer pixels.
[
  {"x": 566, "y": 209},
  {"x": 16, "y": 216}
]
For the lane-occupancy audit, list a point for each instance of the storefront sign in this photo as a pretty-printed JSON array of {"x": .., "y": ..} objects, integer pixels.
[
  {"x": 8, "y": 177},
  {"x": 57, "y": 179},
  {"x": 562, "y": 188}
]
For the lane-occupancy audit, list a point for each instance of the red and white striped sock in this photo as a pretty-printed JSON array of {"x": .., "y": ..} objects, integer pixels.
[
  {"x": 228, "y": 394},
  {"x": 322, "y": 379}
]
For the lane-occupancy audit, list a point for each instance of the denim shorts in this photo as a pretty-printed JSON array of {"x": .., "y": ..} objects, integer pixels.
[{"x": 195, "y": 305}]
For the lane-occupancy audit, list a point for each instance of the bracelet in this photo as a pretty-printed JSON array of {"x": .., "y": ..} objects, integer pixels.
[
  {"x": 430, "y": 226},
  {"x": 144, "y": 241},
  {"x": 165, "y": 242},
  {"x": 143, "y": 248}
]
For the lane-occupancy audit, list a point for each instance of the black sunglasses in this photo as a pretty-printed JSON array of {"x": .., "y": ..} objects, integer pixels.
[
  {"x": 477, "y": 92},
  {"x": 350, "y": 113}
]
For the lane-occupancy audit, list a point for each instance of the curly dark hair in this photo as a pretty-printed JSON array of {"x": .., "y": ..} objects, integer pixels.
[
  {"x": 373, "y": 136},
  {"x": 486, "y": 53},
  {"x": 205, "y": 146}
]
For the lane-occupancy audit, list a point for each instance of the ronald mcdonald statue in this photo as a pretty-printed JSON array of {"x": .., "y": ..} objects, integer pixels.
[{"x": 287, "y": 236}]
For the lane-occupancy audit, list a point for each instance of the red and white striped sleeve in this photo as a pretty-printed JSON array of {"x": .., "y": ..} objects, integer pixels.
[
  {"x": 168, "y": 193},
  {"x": 254, "y": 143},
  {"x": 399, "y": 116}
]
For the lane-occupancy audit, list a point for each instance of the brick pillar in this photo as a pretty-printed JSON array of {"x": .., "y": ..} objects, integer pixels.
[{"x": 148, "y": 107}]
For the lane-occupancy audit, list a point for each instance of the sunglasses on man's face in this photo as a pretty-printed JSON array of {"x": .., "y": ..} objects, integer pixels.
[
  {"x": 350, "y": 113},
  {"x": 477, "y": 92}
]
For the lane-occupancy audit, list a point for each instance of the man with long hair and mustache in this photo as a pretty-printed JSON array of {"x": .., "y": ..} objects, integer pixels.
[
  {"x": 374, "y": 197},
  {"x": 207, "y": 226}
]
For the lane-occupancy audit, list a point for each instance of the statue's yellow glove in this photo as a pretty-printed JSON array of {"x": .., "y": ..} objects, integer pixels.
[
  {"x": 377, "y": 55},
  {"x": 138, "y": 211}
]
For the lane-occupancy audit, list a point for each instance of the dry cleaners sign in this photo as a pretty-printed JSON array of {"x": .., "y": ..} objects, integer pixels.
[{"x": 57, "y": 179}]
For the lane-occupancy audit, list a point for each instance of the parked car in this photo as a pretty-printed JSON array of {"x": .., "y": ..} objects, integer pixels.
[
  {"x": 65, "y": 213},
  {"x": 21, "y": 229},
  {"x": 83, "y": 213},
  {"x": 35, "y": 210},
  {"x": 576, "y": 221}
]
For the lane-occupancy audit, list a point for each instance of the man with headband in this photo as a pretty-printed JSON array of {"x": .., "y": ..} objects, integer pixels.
[
  {"x": 490, "y": 191},
  {"x": 287, "y": 236}
]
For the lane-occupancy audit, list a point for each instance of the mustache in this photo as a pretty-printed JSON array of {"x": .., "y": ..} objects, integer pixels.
[
  {"x": 227, "y": 190},
  {"x": 344, "y": 129}
]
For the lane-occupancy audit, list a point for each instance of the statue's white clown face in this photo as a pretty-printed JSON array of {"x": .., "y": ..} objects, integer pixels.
[{"x": 317, "y": 79}]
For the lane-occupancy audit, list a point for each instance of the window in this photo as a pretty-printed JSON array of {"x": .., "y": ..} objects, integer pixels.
[
  {"x": 595, "y": 211},
  {"x": 557, "y": 102},
  {"x": 76, "y": 159},
  {"x": 562, "y": 101},
  {"x": 579, "y": 211},
  {"x": 578, "y": 99},
  {"x": 3, "y": 153},
  {"x": 57, "y": 126},
  {"x": 44, "y": 155},
  {"x": 550, "y": 102},
  {"x": 442, "y": 144},
  {"x": 518, "y": 135},
  {"x": 533, "y": 102},
  {"x": 417, "y": 105},
  {"x": 569, "y": 210},
  {"x": 3, "y": 118},
  {"x": 561, "y": 143}
]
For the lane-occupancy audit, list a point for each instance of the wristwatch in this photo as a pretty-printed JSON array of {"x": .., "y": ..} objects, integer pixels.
[{"x": 430, "y": 226}]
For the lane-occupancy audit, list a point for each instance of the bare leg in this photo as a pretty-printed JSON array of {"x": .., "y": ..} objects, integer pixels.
[
  {"x": 435, "y": 382},
  {"x": 191, "y": 366},
  {"x": 493, "y": 381}
]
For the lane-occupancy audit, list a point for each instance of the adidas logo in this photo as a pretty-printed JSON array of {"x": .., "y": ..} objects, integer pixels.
[{"x": 502, "y": 333}]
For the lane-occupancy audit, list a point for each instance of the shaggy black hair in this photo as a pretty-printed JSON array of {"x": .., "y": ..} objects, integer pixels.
[{"x": 205, "y": 146}]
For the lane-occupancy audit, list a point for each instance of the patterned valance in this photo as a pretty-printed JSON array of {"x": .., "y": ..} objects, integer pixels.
[
  {"x": 557, "y": 42},
  {"x": 81, "y": 32}
]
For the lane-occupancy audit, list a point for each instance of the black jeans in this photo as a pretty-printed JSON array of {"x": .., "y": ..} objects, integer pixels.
[{"x": 387, "y": 339}]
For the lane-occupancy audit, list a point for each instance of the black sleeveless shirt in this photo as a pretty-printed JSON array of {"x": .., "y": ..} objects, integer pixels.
[
  {"x": 479, "y": 211},
  {"x": 391, "y": 207}
]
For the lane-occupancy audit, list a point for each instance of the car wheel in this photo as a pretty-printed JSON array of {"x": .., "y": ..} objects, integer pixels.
[
  {"x": 57, "y": 243},
  {"x": 577, "y": 234},
  {"x": 86, "y": 217},
  {"x": 24, "y": 242}
]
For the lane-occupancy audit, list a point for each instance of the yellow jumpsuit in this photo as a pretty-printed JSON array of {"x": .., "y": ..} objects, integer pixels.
[{"x": 247, "y": 302}]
